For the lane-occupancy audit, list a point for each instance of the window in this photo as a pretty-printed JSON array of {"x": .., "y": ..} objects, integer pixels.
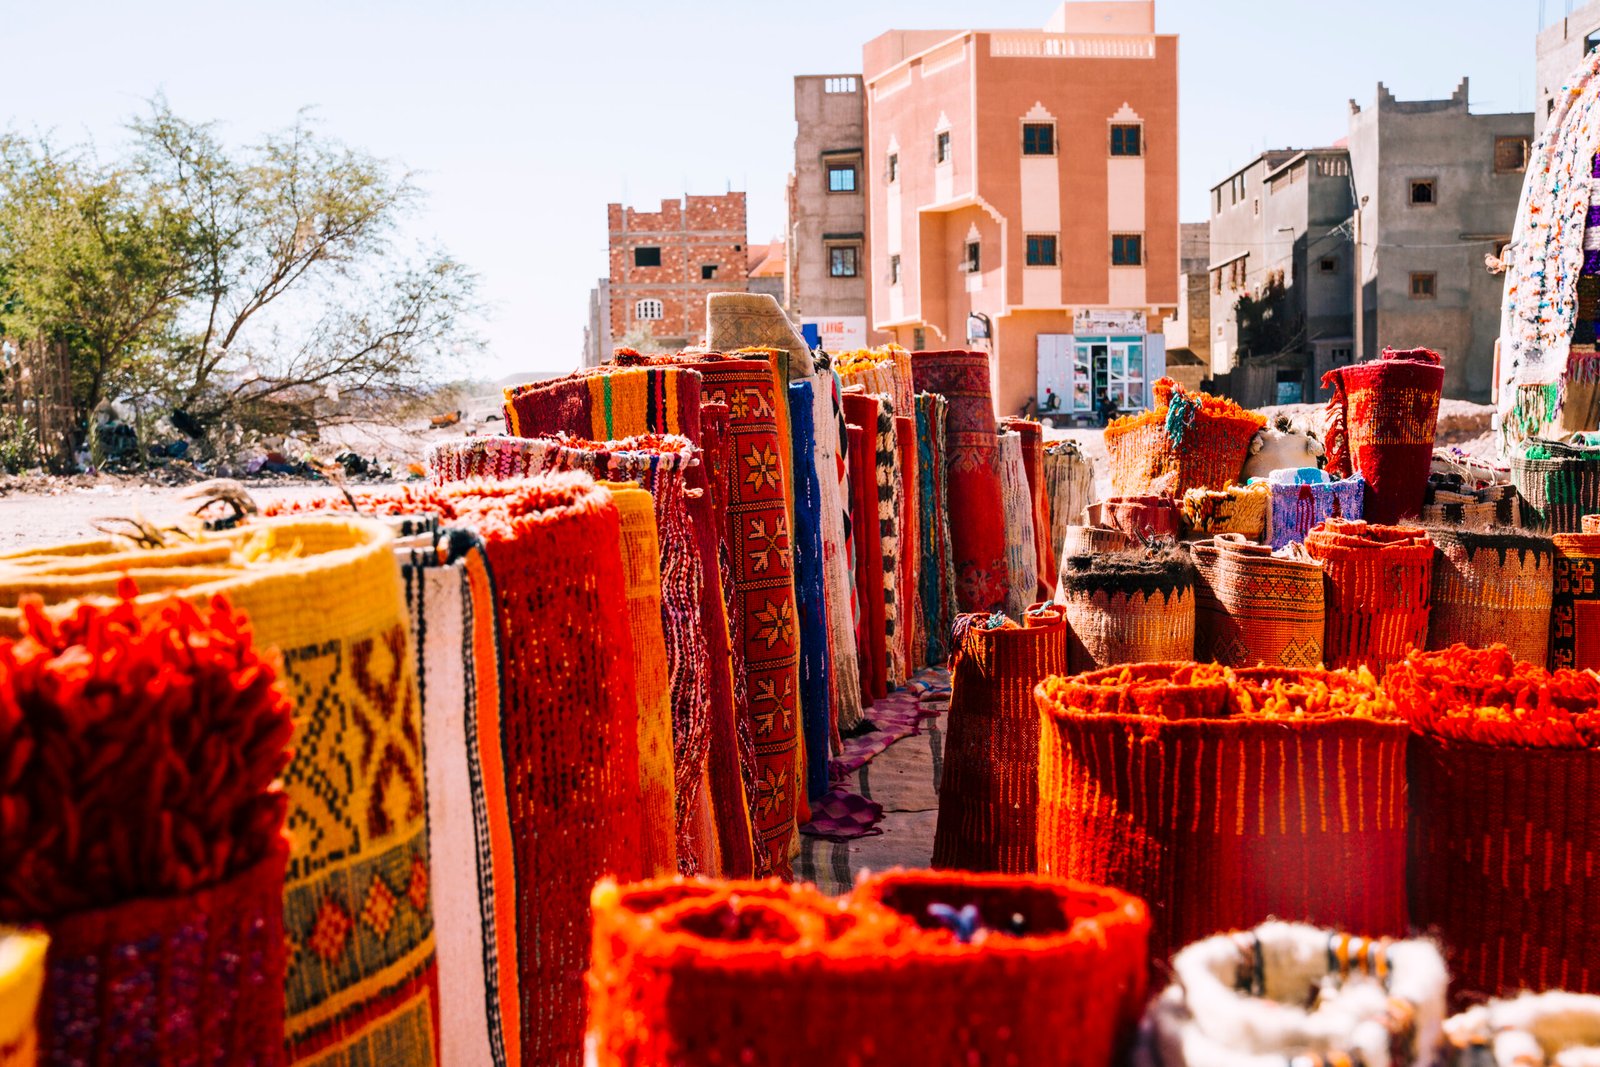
[
  {"x": 1510, "y": 155},
  {"x": 1127, "y": 250},
  {"x": 894, "y": 166},
  {"x": 842, "y": 261},
  {"x": 841, "y": 177},
  {"x": 647, "y": 310},
  {"x": 1422, "y": 285},
  {"x": 839, "y": 85},
  {"x": 941, "y": 147},
  {"x": 1591, "y": 42},
  {"x": 1328, "y": 264},
  {"x": 1550, "y": 107},
  {"x": 1216, "y": 196},
  {"x": 1216, "y": 280},
  {"x": 1041, "y": 249},
  {"x": 708, "y": 271},
  {"x": 1038, "y": 139},
  {"x": 1256, "y": 208},
  {"x": 1341, "y": 354},
  {"x": 919, "y": 339},
  {"x": 1423, "y": 193},
  {"x": 1126, "y": 138},
  {"x": 971, "y": 264},
  {"x": 646, "y": 256},
  {"x": 894, "y": 270}
]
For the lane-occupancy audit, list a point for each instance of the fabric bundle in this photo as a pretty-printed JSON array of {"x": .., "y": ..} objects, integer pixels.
[
  {"x": 1033, "y": 464},
  {"x": 811, "y": 595},
  {"x": 1492, "y": 587},
  {"x": 1069, "y": 487},
  {"x": 1501, "y": 764},
  {"x": 1255, "y": 607},
  {"x": 1298, "y": 995},
  {"x": 1022, "y": 557},
  {"x": 1575, "y": 615},
  {"x": 1379, "y": 581},
  {"x": 1532, "y": 1030},
  {"x": 144, "y": 832},
  {"x": 451, "y": 598},
  {"x": 910, "y": 968},
  {"x": 1306, "y": 496},
  {"x": 1237, "y": 509},
  {"x": 885, "y": 370},
  {"x": 972, "y": 475},
  {"x": 1381, "y": 422},
  {"x": 1469, "y": 492},
  {"x": 1559, "y": 483},
  {"x": 22, "y": 956},
  {"x": 872, "y": 571},
  {"x": 989, "y": 795},
  {"x": 1142, "y": 518},
  {"x": 1225, "y": 797},
  {"x": 937, "y": 577},
  {"x": 1128, "y": 607},
  {"x": 657, "y": 464},
  {"x": 844, "y": 672},
  {"x": 1187, "y": 441},
  {"x": 357, "y": 907},
  {"x": 740, "y": 321}
]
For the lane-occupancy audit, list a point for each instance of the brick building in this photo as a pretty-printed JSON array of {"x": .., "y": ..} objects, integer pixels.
[
  {"x": 1024, "y": 184},
  {"x": 664, "y": 263}
]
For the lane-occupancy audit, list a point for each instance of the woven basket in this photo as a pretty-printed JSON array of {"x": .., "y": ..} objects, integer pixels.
[
  {"x": 1531, "y": 1030},
  {"x": 326, "y": 592},
  {"x": 1492, "y": 588},
  {"x": 1379, "y": 581},
  {"x": 1575, "y": 617},
  {"x": 1196, "y": 449},
  {"x": 195, "y": 978},
  {"x": 989, "y": 794},
  {"x": 1237, "y": 509},
  {"x": 1253, "y": 607},
  {"x": 1290, "y": 994},
  {"x": 1142, "y": 518},
  {"x": 1306, "y": 496},
  {"x": 22, "y": 956},
  {"x": 1127, "y": 607},
  {"x": 1382, "y": 418},
  {"x": 1224, "y": 797},
  {"x": 744, "y": 972},
  {"x": 1500, "y": 798},
  {"x": 1559, "y": 488}
]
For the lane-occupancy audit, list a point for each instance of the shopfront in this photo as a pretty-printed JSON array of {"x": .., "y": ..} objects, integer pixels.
[{"x": 1120, "y": 364}]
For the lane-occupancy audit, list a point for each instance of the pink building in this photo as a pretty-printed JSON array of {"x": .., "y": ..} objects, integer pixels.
[{"x": 1023, "y": 184}]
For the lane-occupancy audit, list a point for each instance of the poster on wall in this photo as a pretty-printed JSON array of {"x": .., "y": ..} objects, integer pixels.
[{"x": 840, "y": 333}]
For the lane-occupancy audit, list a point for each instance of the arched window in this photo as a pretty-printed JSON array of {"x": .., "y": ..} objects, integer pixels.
[{"x": 647, "y": 310}]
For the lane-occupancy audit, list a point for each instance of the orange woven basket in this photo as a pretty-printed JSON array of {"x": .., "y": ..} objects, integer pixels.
[
  {"x": 1378, "y": 588},
  {"x": 1188, "y": 441},
  {"x": 695, "y": 972}
]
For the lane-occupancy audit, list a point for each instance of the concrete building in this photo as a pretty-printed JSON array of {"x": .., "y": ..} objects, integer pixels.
[
  {"x": 1377, "y": 241},
  {"x": 827, "y": 273},
  {"x": 767, "y": 269},
  {"x": 664, "y": 263},
  {"x": 1559, "y": 48},
  {"x": 1188, "y": 333},
  {"x": 597, "y": 333},
  {"x": 1023, "y": 196}
]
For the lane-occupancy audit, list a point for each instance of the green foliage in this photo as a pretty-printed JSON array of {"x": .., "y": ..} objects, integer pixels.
[
  {"x": 19, "y": 449},
  {"x": 252, "y": 285}
]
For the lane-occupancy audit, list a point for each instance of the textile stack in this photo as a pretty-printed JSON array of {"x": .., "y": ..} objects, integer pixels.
[
  {"x": 909, "y": 968},
  {"x": 1381, "y": 422},
  {"x": 1469, "y": 492},
  {"x": 1226, "y": 797},
  {"x": 1188, "y": 441}
]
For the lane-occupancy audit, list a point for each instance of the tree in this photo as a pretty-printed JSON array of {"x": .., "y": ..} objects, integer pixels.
[{"x": 262, "y": 285}]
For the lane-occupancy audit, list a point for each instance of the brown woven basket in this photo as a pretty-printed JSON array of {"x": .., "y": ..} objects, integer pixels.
[
  {"x": 1558, "y": 491},
  {"x": 1252, "y": 607},
  {"x": 1492, "y": 588},
  {"x": 1128, "y": 607}
]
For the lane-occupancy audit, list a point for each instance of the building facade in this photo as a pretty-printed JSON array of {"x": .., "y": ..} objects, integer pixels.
[
  {"x": 1559, "y": 49},
  {"x": 597, "y": 332},
  {"x": 1321, "y": 256},
  {"x": 1188, "y": 333},
  {"x": 665, "y": 263},
  {"x": 827, "y": 240},
  {"x": 1023, "y": 197}
]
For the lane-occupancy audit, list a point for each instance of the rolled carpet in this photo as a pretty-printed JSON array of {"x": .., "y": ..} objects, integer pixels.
[
  {"x": 1069, "y": 486},
  {"x": 937, "y": 588},
  {"x": 1532, "y": 1030},
  {"x": 1128, "y": 607},
  {"x": 1253, "y": 606},
  {"x": 22, "y": 955},
  {"x": 1225, "y": 797},
  {"x": 872, "y": 639},
  {"x": 1022, "y": 559},
  {"x": 913, "y": 643},
  {"x": 1289, "y": 993},
  {"x": 810, "y": 594},
  {"x": 699, "y": 972},
  {"x": 887, "y": 467},
  {"x": 989, "y": 794},
  {"x": 1378, "y": 581},
  {"x": 1500, "y": 766},
  {"x": 606, "y": 403},
  {"x": 1492, "y": 587},
  {"x": 326, "y": 592},
  {"x": 972, "y": 479},
  {"x": 1033, "y": 464},
  {"x": 1575, "y": 619},
  {"x": 885, "y": 370},
  {"x": 844, "y": 672},
  {"x": 1380, "y": 423}
]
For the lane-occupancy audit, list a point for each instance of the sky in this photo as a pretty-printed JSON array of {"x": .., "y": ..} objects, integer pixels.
[{"x": 523, "y": 120}]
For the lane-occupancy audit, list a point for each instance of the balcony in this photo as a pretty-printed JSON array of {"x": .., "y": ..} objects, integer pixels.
[{"x": 1038, "y": 45}]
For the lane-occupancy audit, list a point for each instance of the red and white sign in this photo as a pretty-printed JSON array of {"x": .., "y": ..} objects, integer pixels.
[{"x": 840, "y": 334}]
